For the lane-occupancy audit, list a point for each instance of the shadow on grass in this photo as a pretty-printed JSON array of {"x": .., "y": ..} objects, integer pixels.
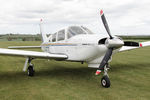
[
  {"x": 72, "y": 72},
  {"x": 63, "y": 72},
  {"x": 130, "y": 66},
  {"x": 59, "y": 72}
]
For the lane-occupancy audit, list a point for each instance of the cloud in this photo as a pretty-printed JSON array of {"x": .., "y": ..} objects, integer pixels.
[{"x": 22, "y": 16}]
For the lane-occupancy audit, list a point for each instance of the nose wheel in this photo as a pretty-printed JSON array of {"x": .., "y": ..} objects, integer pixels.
[{"x": 105, "y": 81}]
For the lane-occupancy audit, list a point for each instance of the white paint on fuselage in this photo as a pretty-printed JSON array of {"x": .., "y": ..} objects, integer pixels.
[{"x": 83, "y": 47}]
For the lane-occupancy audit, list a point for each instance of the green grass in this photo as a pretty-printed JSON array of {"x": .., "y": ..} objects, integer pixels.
[{"x": 60, "y": 80}]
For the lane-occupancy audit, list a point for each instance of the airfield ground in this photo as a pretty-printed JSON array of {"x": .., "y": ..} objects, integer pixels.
[{"x": 54, "y": 80}]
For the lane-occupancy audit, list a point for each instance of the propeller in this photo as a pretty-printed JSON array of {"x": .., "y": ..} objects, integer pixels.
[
  {"x": 111, "y": 43},
  {"x": 110, "y": 49}
]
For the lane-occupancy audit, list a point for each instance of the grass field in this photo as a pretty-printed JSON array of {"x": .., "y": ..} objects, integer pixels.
[{"x": 53, "y": 80}]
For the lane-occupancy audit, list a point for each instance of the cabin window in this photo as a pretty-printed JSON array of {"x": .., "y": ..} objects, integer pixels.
[
  {"x": 61, "y": 35},
  {"x": 75, "y": 30},
  {"x": 50, "y": 38},
  {"x": 54, "y": 37}
]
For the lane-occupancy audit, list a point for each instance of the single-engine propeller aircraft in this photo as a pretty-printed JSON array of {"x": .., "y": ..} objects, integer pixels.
[{"x": 79, "y": 44}]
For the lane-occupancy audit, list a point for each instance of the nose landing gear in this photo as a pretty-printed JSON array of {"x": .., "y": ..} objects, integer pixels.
[{"x": 105, "y": 82}]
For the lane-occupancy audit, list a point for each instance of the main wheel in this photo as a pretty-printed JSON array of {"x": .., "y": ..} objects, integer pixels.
[
  {"x": 105, "y": 82},
  {"x": 30, "y": 71}
]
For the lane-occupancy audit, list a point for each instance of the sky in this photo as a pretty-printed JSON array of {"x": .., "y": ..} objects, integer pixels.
[{"x": 125, "y": 17}]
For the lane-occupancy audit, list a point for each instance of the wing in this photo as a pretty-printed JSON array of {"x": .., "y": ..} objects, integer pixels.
[
  {"x": 24, "y": 47},
  {"x": 32, "y": 54},
  {"x": 142, "y": 44}
]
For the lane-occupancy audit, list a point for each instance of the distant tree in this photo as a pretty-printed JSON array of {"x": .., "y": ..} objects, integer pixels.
[
  {"x": 24, "y": 39},
  {"x": 9, "y": 38},
  {"x": 37, "y": 39}
]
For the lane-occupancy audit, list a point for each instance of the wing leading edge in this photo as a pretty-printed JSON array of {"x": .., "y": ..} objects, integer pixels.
[
  {"x": 24, "y": 47},
  {"x": 33, "y": 54}
]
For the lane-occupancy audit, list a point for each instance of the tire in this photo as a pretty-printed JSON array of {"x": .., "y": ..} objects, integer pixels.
[
  {"x": 105, "y": 82},
  {"x": 30, "y": 71}
]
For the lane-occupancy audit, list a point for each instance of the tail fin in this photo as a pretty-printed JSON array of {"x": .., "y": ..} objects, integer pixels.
[{"x": 44, "y": 37}]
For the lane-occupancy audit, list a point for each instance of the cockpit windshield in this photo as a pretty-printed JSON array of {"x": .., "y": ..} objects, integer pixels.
[
  {"x": 87, "y": 30},
  {"x": 68, "y": 33},
  {"x": 75, "y": 30}
]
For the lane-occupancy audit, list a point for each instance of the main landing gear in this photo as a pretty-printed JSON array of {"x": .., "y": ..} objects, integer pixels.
[
  {"x": 105, "y": 82},
  {"x": 30, "y": 69}
]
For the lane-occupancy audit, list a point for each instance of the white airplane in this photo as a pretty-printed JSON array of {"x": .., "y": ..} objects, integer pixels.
[{"x": 78, "y": 44}]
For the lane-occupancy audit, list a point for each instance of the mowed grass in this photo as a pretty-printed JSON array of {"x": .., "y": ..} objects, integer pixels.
[{"x": 60, "y": 80}]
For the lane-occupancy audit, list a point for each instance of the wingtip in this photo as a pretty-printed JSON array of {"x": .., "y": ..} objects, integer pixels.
[{"x": 101, "y": 12}]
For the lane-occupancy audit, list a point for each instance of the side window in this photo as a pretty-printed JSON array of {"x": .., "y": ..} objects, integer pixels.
[
  {"x": 50, "y": 38},
  {"x": 54, "y": 37},
  {"x": 70, "y": 33},
  {"x": 61, "y": 35}
]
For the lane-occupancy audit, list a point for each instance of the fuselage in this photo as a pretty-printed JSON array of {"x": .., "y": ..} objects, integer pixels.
[{"x": 80, "y": 48}]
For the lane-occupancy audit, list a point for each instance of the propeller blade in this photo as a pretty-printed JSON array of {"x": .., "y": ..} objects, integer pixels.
[
  {"x": 131, "y": 43},
  {"x": 105, "y": 23},
  {"x": 106, "y": 58},
  {"x": 104, "y": 61}
]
